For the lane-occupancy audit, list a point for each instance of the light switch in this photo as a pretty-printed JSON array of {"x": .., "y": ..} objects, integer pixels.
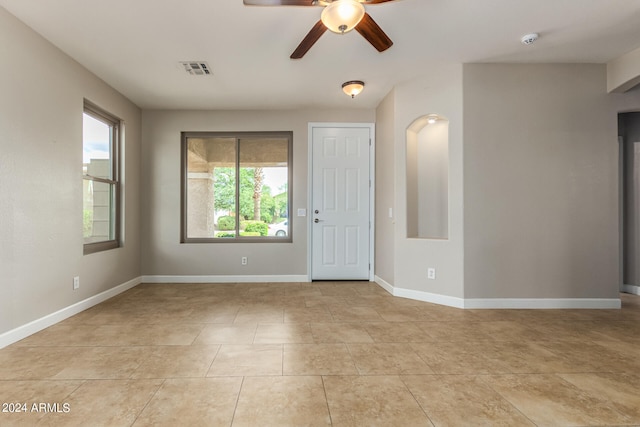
[{"x": 302, "y": 212}]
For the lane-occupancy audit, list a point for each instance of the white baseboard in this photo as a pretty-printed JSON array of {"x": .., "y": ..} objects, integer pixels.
[
  {"x": 420, "y": 295},
  {"x": 544, "y": 303},
  {"x": 506, "y": 303},
  {"x": 631, "y": 289},
  {"x": 383, "y": 284},
  {"x": 223, "y": 279},
  {"x": 429, "y": 297},
  {"x": 37, "y": 325}
]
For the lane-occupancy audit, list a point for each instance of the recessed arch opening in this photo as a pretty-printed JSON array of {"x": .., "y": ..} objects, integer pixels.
[{"x": 427, "y": 142}]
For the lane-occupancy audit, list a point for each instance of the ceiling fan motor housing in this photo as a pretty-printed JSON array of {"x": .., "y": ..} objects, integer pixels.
[{"x": 342, "y": 16}]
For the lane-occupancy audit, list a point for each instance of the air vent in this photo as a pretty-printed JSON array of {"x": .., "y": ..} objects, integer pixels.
[{"x": 196, "y": 68}]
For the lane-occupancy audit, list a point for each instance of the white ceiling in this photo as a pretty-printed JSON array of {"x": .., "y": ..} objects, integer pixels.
[{"x": 136, "y": 45}]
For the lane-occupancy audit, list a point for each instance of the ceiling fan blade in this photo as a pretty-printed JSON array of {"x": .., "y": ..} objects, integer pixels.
[
  {"x": 373, "y": 33},
  {"x": 297, "y": 2},
  {"x": 279, "y": 2},
  {"x": 309, "y": 40}
]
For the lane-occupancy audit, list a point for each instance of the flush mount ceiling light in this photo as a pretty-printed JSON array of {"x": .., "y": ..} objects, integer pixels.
[
  {"x": 432, "y": 118},
  {"x": 529, "y": 38},
  {"x": 342, "y": 16},
  {"x": 353, "y": 87}
]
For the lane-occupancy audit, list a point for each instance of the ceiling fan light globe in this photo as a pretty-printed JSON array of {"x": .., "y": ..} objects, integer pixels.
[{"x": 342, "y": 16}]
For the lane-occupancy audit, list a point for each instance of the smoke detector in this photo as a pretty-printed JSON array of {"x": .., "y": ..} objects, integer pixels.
[
  {"x": 529, "y": 38},
  {"x": 196, "y": 68}
]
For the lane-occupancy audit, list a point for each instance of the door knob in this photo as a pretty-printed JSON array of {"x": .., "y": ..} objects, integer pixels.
[{"x": 316, "y": 220}]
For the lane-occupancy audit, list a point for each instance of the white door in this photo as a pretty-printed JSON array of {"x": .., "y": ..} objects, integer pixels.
[{"x": 340, "y": 208}]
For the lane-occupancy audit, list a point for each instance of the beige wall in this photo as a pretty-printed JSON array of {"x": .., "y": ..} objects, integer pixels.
[
  {"x": 163, "y": 253},
  {"x": 623, "y": 73},
  {"x": 41, "y": 240},
  {"x": 533, "y": 205},
  {"x": 541, "y": 181},
  {"x": 437, "y": 91},
  {"x": 385, "y": 189},
  {"x": 429, "y": 202}
]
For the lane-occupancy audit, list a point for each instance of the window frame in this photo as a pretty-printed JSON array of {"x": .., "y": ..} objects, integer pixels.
[
  {"x": 238, "y": 136},
  {"x": 115, "y": 123}
]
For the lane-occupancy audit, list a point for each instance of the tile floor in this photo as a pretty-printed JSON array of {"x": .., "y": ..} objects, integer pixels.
[{"x": 322, "y": 353}]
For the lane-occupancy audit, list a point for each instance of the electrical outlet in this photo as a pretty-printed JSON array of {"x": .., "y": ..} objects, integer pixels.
[
  {"x": 244, "y": 260},
  {"x": 431, "y": 273},
  {"x": 76, "y": 282}
]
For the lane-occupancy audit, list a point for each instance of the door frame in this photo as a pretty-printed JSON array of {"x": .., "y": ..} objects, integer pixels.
[{"x": 372, "y": 189}]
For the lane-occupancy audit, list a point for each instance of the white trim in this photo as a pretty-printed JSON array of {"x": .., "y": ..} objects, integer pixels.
[
  {"x": 544, "y": 303},
  {"x": 429, "y": 297},
  {"x": 631, "y": 289},
  {"x": 372, "y": 201},
  {"x": 37, "y": 325},
  {"x": 223, "y": 279},
  {"x": 372, "y": 189},
  {"x": 384, "y": 284},
  {"x": 621, "y": 226},
  {"x": 310, "y": 127},
  {"x": 507, "y": 303}
]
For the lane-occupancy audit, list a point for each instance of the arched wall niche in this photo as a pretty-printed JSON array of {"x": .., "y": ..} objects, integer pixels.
[{"x": 428, "y": 177}]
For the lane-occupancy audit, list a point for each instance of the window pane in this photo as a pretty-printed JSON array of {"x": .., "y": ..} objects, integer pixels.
[
  {"x": 100, "y": 179},
  {"x": 236, "y": 186},
  {"x": 211, "y": 187},
  {"x": 98, "y": 210},
  {"x": 96, "y": 147},
  {"x": 263, "y": 186}
]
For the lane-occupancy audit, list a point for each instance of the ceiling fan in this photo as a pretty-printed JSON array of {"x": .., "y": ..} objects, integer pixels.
[{"x": 338, "y": 16}]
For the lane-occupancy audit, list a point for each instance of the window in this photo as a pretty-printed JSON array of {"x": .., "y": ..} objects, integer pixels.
[
  {"x": 100, "y": 208},
  {"x": 236, "y": 187}
]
